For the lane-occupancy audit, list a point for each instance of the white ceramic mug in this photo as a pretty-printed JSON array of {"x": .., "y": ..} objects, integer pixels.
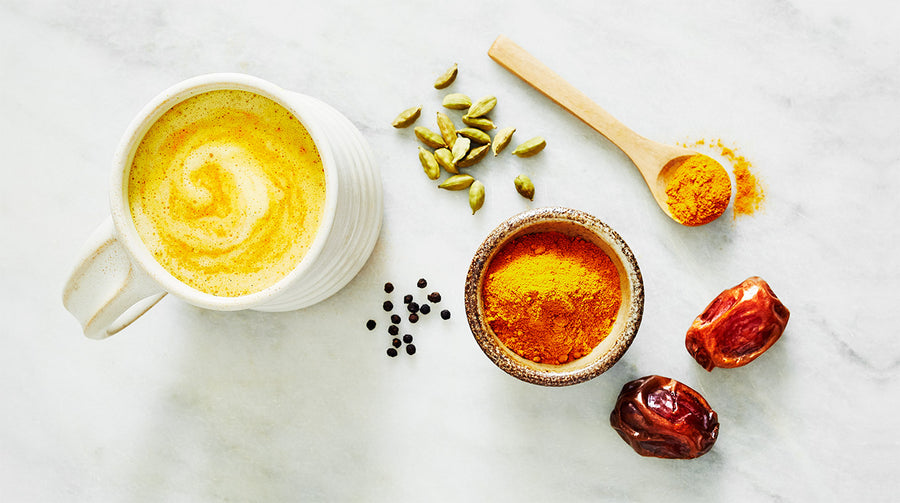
[{"x": 117, "y": 279}]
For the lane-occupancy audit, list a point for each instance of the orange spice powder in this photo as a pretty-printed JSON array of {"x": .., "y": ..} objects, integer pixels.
[
  {"x": 749, "y": 193},
  {"x": 550, "y": 297},
  {"x": 699, "y": 190}
]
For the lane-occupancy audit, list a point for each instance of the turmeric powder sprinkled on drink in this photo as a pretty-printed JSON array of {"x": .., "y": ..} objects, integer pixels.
[
  {"x": 551, "y": 298},
  {"x": 699, "y": 190},
  {"x": 749, "y": 193}
]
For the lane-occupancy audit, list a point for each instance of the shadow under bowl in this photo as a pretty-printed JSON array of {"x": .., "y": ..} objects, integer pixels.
[{"x": 628, "y": 319}]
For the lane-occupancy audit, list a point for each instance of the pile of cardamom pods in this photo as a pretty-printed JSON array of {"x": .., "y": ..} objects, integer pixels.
[{"x": 452, "y": 149}]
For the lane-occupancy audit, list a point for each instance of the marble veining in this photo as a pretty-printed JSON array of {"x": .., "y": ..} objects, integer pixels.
[{"x": 194, "y": 405}]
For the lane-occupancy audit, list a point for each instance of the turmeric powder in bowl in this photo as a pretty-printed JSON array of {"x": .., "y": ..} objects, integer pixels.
[
  {"x": 554, "y": 296},
  {"x": 550, "y": 297}
]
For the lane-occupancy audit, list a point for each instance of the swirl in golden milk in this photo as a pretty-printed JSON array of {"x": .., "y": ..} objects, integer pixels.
[{"x": 227, "y": 191}]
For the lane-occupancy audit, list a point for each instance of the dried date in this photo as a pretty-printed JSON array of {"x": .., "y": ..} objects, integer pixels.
[
  {"x": 661, "y": 417},
  {"x": 737, "y": 326}
]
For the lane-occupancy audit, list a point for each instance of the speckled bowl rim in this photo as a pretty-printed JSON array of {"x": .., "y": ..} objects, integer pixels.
[{"x": 552, "y": 375}]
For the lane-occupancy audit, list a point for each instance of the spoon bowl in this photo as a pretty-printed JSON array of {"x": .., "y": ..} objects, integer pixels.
[{"x": 657, "y": 162}]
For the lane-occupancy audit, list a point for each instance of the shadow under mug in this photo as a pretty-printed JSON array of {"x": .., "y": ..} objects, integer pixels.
[{"x": 117, "y": 279}]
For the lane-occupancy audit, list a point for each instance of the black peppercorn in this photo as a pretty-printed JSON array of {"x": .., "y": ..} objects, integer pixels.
[
  {"x": 393, "y": 330},
  {"x": 392, "y": 352},
  {"x": 445, "y": 314},
  {"x": 370, "y": 324},
  {"x": 413, "y": 307},
  {"x": 407, "y": 338},
  {"x": 413, "y": 317},
  {"x": 388, "y": 305},
  {"x": 434, "y": 297},
  {"x": 396, "y": 343},
  {"x": 410, "y": 349},
  {"x": 407, "y": 299},
  {"x": 421, "y": 283},
  {"x": 395, "y": 318},
  {"x": 424, "y": 309},
  {"x": 388, "y": 287}
]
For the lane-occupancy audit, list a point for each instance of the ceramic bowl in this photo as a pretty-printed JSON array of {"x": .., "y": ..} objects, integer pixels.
[{"x": 607, "y": 353}]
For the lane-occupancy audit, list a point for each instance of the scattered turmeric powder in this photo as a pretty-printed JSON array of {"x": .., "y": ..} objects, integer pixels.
[
  {"x": 699, "y": 190},
  {"x": 550, "y": 297},
  {"x": 749, "y": 193}
]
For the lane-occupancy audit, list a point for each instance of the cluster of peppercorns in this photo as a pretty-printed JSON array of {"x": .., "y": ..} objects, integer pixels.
[{"x": 415, "y": 311}]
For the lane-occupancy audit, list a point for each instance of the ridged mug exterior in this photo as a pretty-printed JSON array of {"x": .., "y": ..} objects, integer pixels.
[
  {"x": 357, "y": 215},
  {"x": 116, "y": 260}
]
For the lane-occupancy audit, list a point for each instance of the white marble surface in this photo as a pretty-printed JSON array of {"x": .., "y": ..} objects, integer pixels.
[{"x": 192, "y": 405}]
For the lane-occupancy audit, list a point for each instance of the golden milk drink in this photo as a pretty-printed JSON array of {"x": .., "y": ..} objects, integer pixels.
[{"x": 227, "y": 191}]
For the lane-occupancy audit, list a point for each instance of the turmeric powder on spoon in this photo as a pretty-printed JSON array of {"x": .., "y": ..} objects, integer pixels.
[
  {"x": 699, "y": 191},
  {"x": 748, "y": 189}
]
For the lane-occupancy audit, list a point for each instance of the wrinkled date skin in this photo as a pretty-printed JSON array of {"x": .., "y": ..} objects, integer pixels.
[
  {"x": 737, "y": 326},
  {"x": 664, "y": 418}
]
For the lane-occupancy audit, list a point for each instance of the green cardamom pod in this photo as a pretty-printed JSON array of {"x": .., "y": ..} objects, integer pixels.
[
  {"x": 445, "y": 159},
  {"x": 429, "y": 137},
  {"x": 502, "y": 139},
  {"x": 460, "y": 149},
  {"x": 448, "y": 130},
  {"x": 524, "y": 187},
  {"x": 476, "y": 135},
  {"x": 457, "y": 101},
  {"x": 482, "y": 106},
  {"x": 482, "y": 123},
  {"x": 457, "y": 182},
  {"x": 446, "y": 78},
  {"x": 475, "y": 155},
  {"x": 429, "y": 164},
  {"x": 476, "y": 196},
  {"x": 530, "y": 147},
  {"x": 407, "y": 117}
]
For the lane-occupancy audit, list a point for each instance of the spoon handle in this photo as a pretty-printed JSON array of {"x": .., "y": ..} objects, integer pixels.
[{"x": 528, "y": 68}]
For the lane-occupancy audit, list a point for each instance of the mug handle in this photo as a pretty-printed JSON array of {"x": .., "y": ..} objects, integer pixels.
[{"x": 105, "y": 291}]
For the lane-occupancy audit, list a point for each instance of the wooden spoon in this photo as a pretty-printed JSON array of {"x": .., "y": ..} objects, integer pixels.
[{"x": 657, "y": 162}]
